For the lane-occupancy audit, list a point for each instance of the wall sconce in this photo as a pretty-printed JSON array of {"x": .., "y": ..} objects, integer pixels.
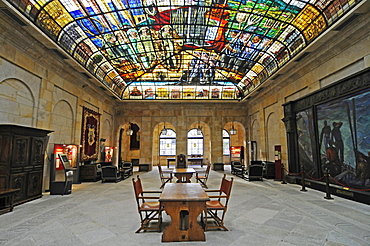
[
  {"x": 129, "y": 131},
  {"x": 232, "y": 130},
  {"x": 199, "y": 129}
]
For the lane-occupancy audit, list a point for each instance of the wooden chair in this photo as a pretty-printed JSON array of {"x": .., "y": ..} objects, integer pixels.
[
  {"x": 150, "y": 211},
  {"x": 164, "y": 176},
  {"x": 216, "y": 208},
  {"x": 201, "y": 176},
  {"x": 181, "y": 161}
]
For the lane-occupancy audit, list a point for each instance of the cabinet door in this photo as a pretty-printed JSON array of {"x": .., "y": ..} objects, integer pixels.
[
  {"x": 19, "y": 181},
  {"x": 37, "y": 151},
  {"x": 21, "y": 146},
  {"x": 34, "y": 184}
]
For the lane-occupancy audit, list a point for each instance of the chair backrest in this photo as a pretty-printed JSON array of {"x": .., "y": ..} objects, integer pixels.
[
  {"x": 181, "y": 161},
  {"x": 109, "y": 171},
  {"x": 236, "y": 163},
  {"x": 208, "y": 169},
  {"x": 226, "y": 187},
  {"x": 160, "y": 170},
  {"x": 138, "y": 189},
  {"x": 255, "y": 170},
  {"x": 256, "y": 163},
  {"x": 126, "y": 164}
]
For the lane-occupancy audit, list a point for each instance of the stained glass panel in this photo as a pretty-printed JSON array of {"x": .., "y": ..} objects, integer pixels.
[{"x": 183, "y": 49}]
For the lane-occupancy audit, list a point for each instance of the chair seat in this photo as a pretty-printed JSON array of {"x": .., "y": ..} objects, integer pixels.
[
  {"x": 215, "y": 205},
  {"x": 149, "y": 205}
]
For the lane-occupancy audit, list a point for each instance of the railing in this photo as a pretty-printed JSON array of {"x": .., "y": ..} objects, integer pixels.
[{"x": 326, "y": 175}]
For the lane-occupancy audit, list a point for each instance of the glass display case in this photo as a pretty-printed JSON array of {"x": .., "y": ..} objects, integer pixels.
[
  {"x": 71, "y": 150},
  {"x": 237, "y": 153}
]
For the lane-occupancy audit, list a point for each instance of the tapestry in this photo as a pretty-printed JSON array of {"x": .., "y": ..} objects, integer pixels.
[{"x": 90, "y": 135}]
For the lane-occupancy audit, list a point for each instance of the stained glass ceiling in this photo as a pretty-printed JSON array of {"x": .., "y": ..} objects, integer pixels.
[{"x": 182, "y": 49}]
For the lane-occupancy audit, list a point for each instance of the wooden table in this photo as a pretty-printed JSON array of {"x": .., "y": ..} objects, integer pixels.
[
  {"x": 183, "y": 202},
  {"x": 183, "y": 175},
  {"x": 196, "y": 160}
]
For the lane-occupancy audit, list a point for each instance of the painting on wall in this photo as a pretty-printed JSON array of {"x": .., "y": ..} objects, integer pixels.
[
  {"x": 90, "y": 135},
  {"x": 344, "y": 139},
  {"x": 305, "y": 132}
]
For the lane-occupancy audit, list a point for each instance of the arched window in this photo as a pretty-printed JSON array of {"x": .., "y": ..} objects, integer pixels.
[
  {"x": 195, "y": 142},
  {"x": 226, "y": 142},
  {"x": 167, "y": 142}
]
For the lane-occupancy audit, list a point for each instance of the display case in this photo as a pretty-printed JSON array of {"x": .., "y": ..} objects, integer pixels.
[
  {"x": 108, "y": 153},
  {"x": 71, "y": 150},
  {"x": 237, "y": 153}
]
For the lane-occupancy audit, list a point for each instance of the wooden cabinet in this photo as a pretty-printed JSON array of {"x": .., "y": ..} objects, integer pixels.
[
  {"x": 22, "y": 160},
  {"x": 89, "y": 172}
]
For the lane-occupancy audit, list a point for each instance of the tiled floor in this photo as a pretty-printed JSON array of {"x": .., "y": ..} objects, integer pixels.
[{"x": 260, "y": 213}]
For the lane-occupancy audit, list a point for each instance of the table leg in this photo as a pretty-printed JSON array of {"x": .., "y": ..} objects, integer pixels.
[
  {"x": 183, "y": 177},
  {"x": 184, "y": 225}
]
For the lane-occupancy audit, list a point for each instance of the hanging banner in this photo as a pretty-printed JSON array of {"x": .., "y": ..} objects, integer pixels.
[{"x": 90, "y": 135}]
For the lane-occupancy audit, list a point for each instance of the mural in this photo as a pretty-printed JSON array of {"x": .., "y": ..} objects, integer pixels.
[
  {"x": 305, "y": 134},
  {"x": 344, "y": 143}
]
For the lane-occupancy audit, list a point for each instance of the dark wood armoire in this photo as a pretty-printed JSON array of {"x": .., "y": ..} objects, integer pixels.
[{"x": 22, "y": 160}]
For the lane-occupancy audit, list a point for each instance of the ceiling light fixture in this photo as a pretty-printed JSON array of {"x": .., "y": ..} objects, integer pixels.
[
  {"x": 129, "y": 131},
  {"x": 199, "y": 129},
  {"x": 232, "y": 130},
  {"x": 164, "y": 130}
]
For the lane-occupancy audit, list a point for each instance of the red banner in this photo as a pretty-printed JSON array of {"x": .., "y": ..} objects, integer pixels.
[{"x": 90, "y": 135}]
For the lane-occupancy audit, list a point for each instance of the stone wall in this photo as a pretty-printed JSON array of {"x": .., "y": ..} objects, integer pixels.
[{"x": 39, "y": 89}]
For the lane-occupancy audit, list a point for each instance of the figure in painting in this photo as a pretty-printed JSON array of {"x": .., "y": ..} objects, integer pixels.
[
  {"x": 196, "y": 65},
  {"x": 362, "y": 166},
  {"x": 171, "y": 44},
  {"x": 109, "y": 47},
  {"x": 230, "y": 51},
  {"x": 336, "y": 137},
  {"x": 325, "y": 135},
  {"x": 145, "y": 47},
  {"x": 334, "y": 164}
]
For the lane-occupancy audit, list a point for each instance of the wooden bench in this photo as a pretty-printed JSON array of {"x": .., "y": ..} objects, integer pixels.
[
  {"x": 144, "y": 167},
  {"x": 8, "y": 195}
]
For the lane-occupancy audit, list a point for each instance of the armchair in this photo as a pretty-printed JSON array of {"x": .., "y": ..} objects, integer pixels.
[
  {"x": 126, "y": 169},
  {"x": 110, "y": 173},
  {"x": 237, "y": 168},
  {"x": 254, "y": 172}
]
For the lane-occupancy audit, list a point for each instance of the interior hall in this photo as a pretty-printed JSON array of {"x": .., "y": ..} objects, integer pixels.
[{"x": 264, "y": 102}]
